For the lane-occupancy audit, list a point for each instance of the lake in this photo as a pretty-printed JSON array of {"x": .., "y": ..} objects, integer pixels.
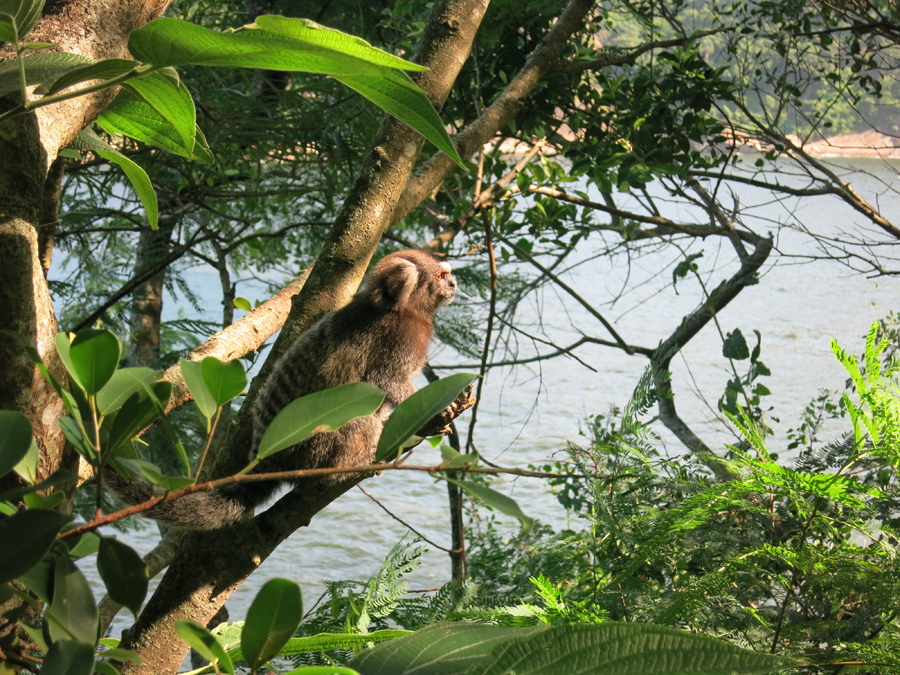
[{"x": 528, "y": 412}]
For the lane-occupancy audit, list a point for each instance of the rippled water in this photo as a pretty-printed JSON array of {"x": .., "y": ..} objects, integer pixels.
[{"x": 527, "y": 413}]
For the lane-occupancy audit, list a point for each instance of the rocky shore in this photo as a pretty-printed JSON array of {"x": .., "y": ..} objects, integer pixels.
[{"x": 866, "y": 144}]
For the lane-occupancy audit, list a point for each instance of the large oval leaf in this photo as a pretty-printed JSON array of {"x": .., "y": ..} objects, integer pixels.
[
  {"x": 101, "y": 70},
  {"x": 448, "y": 649},
  {"x": 223, "y": 380},
  {"x": 15, "y": 439},
  {"x": 72, "y": 614},
  {"x": 95, "y": 356},
  {"x": 69, "y": 657},
  {"x": 193, "y": 377},
  {"x": 171, "y": 99},
  {"x": 124, "y": 573},
  {"x": 17, "y": 18},
  {"x": 171, "y": 42},
  {"x": 24, "y": 539},
  {"x": 625, "y": 649},
  {"x": 497, "y": 501},
  {"x": 140, "y": 181},
  {"x": 417, "y": 410},
  {"x": 123, "y": 383},
  {"x": 139, "y": 412},
  {"x": 322, "y": 411},
  {"x": 597, "y": 649},
  {"x": 310, "y": 31},
  {"x": 272, "y": 620}
]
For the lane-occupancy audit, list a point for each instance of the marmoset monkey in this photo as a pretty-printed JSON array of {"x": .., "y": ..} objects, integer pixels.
[{"x": 380, "y": 337}]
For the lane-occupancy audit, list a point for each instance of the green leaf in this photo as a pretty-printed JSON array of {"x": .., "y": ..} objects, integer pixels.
[
  {"x": 76, "y": 437},
  {"x": 496, "y": 501},
  {"x": 171, "y": 99},
  {"x": 223, "y": 380},
  {"x": 58, "y": 477},
  {"x": 272, "y": 620},
  {"x": 152, "y": 473},
  {"x": 322, "y": 670},
  {"x": 38, "y": 68},
  {"x": 140, "y": 181},
  {"x": 735, "y": 346},
  {"x": 101, "y": 70},
  {"x": 124, "y": 573},
  {"x": 625, "y": 649},
  {"x": 95, "y": 356},
  {"x": 243, "y": 303},
  {"x": 104, "y": 668},
  {"x": 325, "y": 641},
  {"x": 130, "y": 116},
  {"x": 123, "y": 383},
  {"x": 192, "y": 373},
  {"x": 15, "y": 439},
  {"x": 24, "y": 539},
  {"x": 83, "y": 545},
  {"x": 417, "y": 410},
  {"x": 454, "y": 459},
  {"x": 69, "y": 657},
  {"x": 39, "y": 579},
  {"x": 139, "y": 412},
  {"x": 597, "y": 649},
  {"x": 310, "y": 31},
  {"x": 124, "y": 655},
  {"x": 17, "y": 18},
  {"x": 72, "y": 613},
  {"x": 204, "y": 642},
  {"x": 396, "y": 94},
  {"x": 444, "y": 649},
  {"x": 171, "y": 42},
  {"x": 322, "y": 411}
]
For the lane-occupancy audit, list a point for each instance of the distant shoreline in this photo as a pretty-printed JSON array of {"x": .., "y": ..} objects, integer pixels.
[{"x": 869, "y": 144}]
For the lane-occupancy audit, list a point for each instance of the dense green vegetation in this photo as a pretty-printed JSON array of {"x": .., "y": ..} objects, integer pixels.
[{"x": 614, "y": 133}]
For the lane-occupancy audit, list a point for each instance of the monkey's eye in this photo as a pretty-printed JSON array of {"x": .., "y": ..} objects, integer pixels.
[{"x": 444, "y": 275}]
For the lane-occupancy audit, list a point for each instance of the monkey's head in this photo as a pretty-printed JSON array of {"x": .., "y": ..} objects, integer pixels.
[{"x": 410, "y": 280}]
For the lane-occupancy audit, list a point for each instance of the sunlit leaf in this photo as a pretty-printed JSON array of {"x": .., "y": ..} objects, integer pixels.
[
  {"x": 95, "y": 356},
  {"x": 416, "y": 411},
  {"x": 140, "y": 181},
  {"x": 322, "y": 411},
  {"x": 497, "y": 501}
]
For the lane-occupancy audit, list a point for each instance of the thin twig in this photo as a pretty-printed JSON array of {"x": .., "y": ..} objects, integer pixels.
[
  {"x": 488, "y": 240},
  {"x": 404, "y": 523}
]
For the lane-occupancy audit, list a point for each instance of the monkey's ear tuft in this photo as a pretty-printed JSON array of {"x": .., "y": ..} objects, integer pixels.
[{"x": 395, "y": 279}]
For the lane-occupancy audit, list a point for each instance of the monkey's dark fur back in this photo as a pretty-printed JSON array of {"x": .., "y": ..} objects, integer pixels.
[{"x": 380, "y": 337}]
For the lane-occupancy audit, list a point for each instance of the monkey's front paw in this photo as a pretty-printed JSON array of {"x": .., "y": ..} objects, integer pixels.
[{"x": 440, "y": 423}]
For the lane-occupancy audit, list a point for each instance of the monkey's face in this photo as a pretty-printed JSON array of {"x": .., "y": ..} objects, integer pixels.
[
  {"x": 445, "y": 287},
  {"x": 411, "y": 279}
]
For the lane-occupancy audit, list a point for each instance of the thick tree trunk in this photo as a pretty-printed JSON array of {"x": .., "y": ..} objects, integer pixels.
[{"x": 98, "y": 29}]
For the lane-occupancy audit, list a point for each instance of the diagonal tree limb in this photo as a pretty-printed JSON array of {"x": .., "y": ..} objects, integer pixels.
[
  {"x": 692, "y": 324},
  {"x": 504, "y": 108}
]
